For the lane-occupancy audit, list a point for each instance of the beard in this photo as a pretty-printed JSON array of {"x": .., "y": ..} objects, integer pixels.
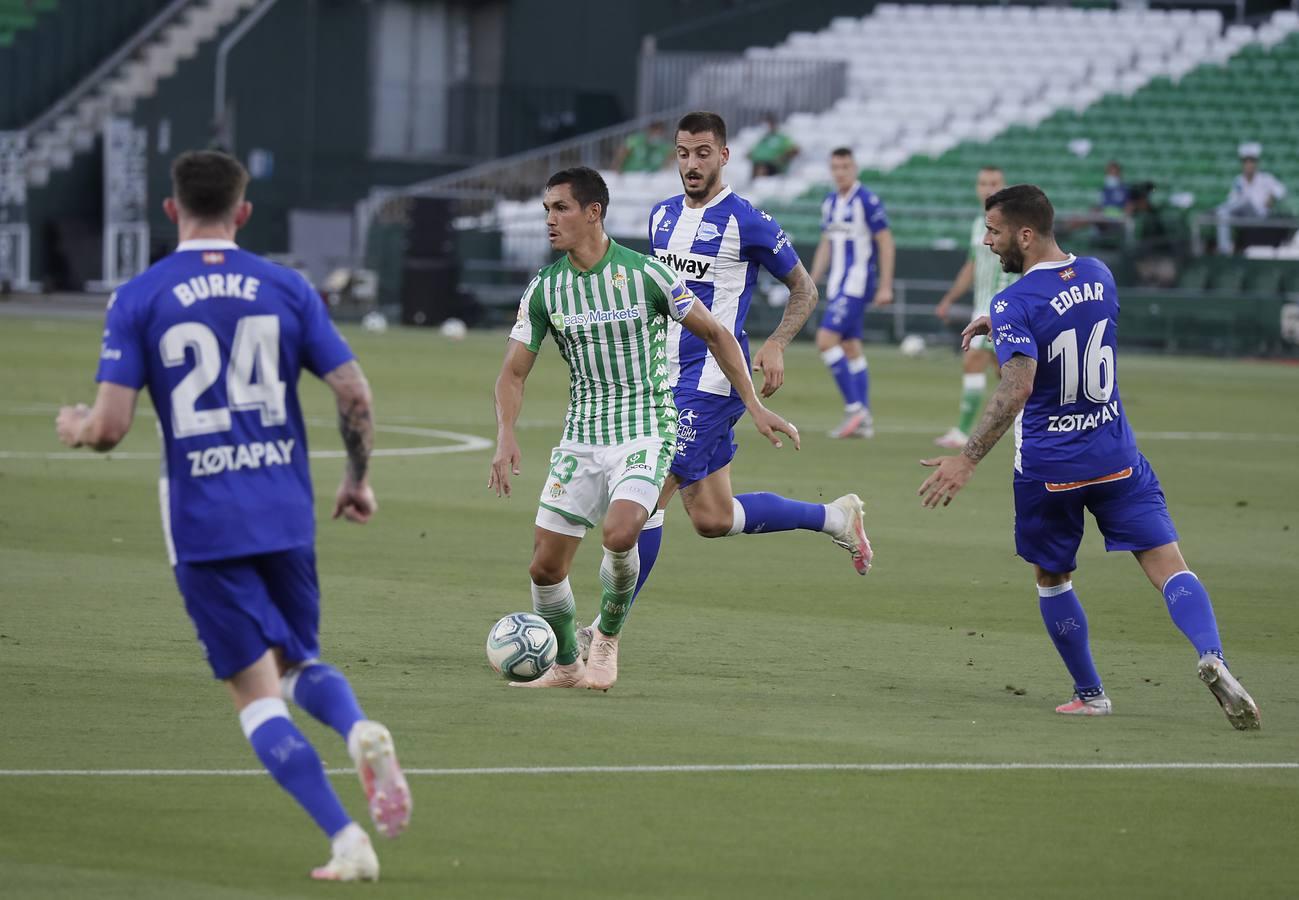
[
  {"x": 1012, "y": 260},
  {"x": 707, "y": 183}
]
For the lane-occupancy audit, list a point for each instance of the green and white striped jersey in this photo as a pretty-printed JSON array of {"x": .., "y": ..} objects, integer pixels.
[
  {"x": 989, "y": 278},
  {"x": 610, "y": 324}
]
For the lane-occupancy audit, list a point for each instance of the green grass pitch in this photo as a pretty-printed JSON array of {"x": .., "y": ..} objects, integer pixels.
[{"x": 759, "y": 649}]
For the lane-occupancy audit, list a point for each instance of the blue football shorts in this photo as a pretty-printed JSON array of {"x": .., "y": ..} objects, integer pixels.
[
  {"x": 705, "y": 435},
  {"x": 243, "y": 607},
  {"x": 1129, "y": 507}
]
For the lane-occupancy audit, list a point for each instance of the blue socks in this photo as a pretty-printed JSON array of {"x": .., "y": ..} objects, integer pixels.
[
  {"x": 837, "y": 363},
  {"x": 762, "y": 513},
  {"x": 648, "y": 544},
  {"x": 292, "y": 762},
  {"x": 860, "y": 381},
  {"x": 1189, "y": 606},
  {"x": 325, "y": 694},
  {"x": 1067, "y": 624}
]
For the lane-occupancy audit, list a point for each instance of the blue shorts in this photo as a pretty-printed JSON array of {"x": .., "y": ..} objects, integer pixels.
[
  {"x": 705, "y": 435},
  {"x": 846, "y": 315},
  {"x": 1129, "y": 508},
  {"x": 243, "y": 607}
]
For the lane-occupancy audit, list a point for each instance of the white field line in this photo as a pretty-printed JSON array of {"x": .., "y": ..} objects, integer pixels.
[{"x": 690, "y": 769}]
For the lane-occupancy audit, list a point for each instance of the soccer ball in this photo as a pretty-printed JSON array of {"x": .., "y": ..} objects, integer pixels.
[
  {"x": 521, "y": 647},
  {"x": 912, "y": 345},
  {"x": 454, "y": 329},
  {"x": 375, "y": 322}
]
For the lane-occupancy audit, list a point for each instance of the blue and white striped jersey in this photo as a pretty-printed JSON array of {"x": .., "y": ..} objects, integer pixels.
[
  {"x": 851, "y": 222},
  {"x": 717, "y": 249}
]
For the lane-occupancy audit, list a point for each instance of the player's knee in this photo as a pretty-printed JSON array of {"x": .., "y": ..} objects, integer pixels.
[
  {"x": 825, "y": 339},
  {"x": 547, "y": 571},
  {"x": 621, "y": 537},
  {"x": 712, "y": 524}
]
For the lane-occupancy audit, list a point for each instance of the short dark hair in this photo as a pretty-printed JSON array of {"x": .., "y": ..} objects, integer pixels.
[
  {"x": 1024, "y": 206},
  {"x": 842, "y": 151},
  {"x": 700, "y": 122},
  {"x": 208, "y": 184},
  {"x": 586, "y": 184}
]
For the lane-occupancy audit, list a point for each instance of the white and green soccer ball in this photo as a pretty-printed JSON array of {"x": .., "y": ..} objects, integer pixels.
[
  {"x": 521, "y": 647},
  {"x": 912, "y": 345}
]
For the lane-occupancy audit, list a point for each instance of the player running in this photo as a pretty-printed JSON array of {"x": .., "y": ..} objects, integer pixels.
[
  {"x": 717, "y": 241},
  {"x": 858, "y": 250},
  {"x": 1055, "y": 334},
  {"x": 608, "y": 309},
  {"x": 984, "y": 273},
  {"x": 220, "y": 336}
]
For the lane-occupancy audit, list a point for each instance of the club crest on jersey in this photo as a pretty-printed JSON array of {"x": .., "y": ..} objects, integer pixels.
[
  {"x": 1001, "y": 306},
  {"x": 1067, "y": 274},
  {"x": 707, "y": 231},
  {"x": 214, "y": 257},
  {"x": 620, "y": 281}
]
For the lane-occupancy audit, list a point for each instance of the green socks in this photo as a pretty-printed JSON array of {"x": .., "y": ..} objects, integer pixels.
[
  {"x": 618, "y": 571},
  {"x": 555, "y": 604}
]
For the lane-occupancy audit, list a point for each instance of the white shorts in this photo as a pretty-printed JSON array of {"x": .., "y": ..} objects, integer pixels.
[
  {"x": 585, "y": 478},
  {"x": 981, "y": 341}
]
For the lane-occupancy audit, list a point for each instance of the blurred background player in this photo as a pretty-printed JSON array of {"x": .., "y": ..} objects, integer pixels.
[
  {"x": 773, "y": 152},
  {"x": 857, "y": 250},
  {"x": 1056, "y": 338},
  {"x": 644, "y": 151},
  {"x": 220, "y": 337},
  {"x": 716, "y": 241},
  {"x": 982, "y": 272},
  {"x": 619, "y": 436}
]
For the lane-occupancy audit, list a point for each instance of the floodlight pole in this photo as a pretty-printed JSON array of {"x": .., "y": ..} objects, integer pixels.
[{"x": 223, "y": 51}]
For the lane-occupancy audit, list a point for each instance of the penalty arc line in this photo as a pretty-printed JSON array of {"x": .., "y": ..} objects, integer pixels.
[{"x": 685, "y": 769}]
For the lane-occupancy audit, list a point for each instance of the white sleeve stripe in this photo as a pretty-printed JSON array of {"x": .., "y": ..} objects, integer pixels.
[{"x": 660, "y": 276}]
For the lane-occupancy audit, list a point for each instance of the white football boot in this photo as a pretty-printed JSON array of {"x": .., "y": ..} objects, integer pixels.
[
  {"x": 953, "y": 439},
  {"x": 602, "y": 668},
  {"x": 853, "y": 421},
  {"x": 1094, "y": 706},
  {"x": 385, "y": 786},
  {"x": 353, "y": 858},
  {"x": 1241, "y": 710},
  {"x": 852, "y": 537},
  {"x": 572, "y": 675}
]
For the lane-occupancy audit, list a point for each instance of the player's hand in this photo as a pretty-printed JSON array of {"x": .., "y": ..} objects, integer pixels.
[
  {"x": 770, "y": 361},
  {"x": 950, "y": 475},
  {"x": 942, "y": 310},
  {"x": 768, "y": 423},
  {"x": 355, "y": 502},
  {"x": 68, "y": 423},
  {"x": 883, "y": 296},
  {"x": 981, "y": 325},
  {"x": 504, "y": 463}
]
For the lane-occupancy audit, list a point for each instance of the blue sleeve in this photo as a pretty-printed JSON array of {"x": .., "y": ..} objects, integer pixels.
[
  {"x": 323, "y": 348},
  {"x": 763, "y": 241},
  {"x": 1012, "y": 332},
  {"x": 876, "y": 217},
  {"x": 122, "y": 357}
]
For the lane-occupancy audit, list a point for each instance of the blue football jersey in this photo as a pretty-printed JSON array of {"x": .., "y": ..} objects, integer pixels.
[
  {"x": 219, "y": 336},
  {"x": 1065, "y": 315},
  {"x": 717, "y": 249},
  {"x": 851, "y": 222}
]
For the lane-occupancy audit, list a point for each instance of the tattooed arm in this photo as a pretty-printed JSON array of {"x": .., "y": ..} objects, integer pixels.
[
  {"x": 770, "y": 360},
  {"x": 952, "y": 472},
  {"x": 355, "y": 500}
]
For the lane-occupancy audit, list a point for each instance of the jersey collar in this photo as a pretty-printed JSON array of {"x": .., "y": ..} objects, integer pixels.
[
  {"x": 206, "y": 244},
  {"x": 1054, "y": 264},
  {"x": 599, "y": 266},
  {"x": 721, "y": 195}
]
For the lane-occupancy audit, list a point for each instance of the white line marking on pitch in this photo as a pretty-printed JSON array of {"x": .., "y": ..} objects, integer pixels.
[{"x": 702, "y": 768}]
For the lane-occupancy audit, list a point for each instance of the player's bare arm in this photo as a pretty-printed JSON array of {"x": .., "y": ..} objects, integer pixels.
[
  {"x": 509, "y": 403},
  {"x": 963, "y": 282},
  {"x": 952, "y": 472},
  {"x": 103, "y": 426},
  {"x": 726, "y": 350},
  {"x": 770, "y": 360},
  {"x": 888, "y": 251},
  {"x": 821, "y": 260},
  {"x": 355, "y": 499}
]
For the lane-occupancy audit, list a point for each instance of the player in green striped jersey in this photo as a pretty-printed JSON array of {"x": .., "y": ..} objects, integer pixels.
[
  {"x": 607, "y": 309},
  {"x": 983, "y": 272}
]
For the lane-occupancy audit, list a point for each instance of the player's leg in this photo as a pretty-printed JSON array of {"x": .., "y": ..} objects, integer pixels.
[
  {"x": 554, "y": 546},
  {"x": 838, "y": 323},
  {"x": 1048, "y": 530},
  {"x": 292, "y": 761},
  {"x": 325, "y": 693},
  {"x": 1133, "y": 515},
  {"x": 855, "y": 354},
  {"x": 239, "y": 626},
  {"x": 974, "y": 382}
]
